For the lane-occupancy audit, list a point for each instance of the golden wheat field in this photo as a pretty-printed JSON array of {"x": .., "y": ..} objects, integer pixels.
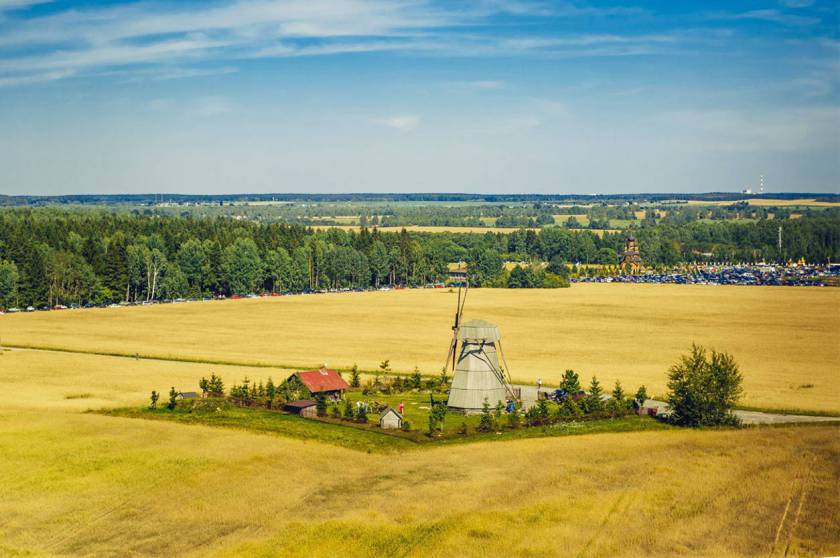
[
  {"x": 81, "y": 484},
  {"x": 787, "y": 340}
]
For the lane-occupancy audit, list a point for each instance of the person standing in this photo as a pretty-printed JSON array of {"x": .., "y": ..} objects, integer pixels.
[{"x": 401, "y": 407}]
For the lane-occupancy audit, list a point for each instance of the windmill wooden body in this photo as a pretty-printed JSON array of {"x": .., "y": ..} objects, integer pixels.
[{"x": 474, "y": 357}]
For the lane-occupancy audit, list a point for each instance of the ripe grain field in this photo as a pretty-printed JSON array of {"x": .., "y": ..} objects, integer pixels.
[
  {"x": 787, "y": 340},
  {"x": 84, "y": 485},
  {"x": 87, "y": 484}
]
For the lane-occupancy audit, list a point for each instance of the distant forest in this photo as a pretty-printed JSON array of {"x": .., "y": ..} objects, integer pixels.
[{"x": 54, "y": 256}]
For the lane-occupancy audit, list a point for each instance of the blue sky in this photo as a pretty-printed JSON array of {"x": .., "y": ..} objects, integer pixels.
[{"x": 418, "y": 95}]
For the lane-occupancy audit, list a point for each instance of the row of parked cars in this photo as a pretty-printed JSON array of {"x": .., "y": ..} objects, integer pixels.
[{"x": 800, "y": 275}]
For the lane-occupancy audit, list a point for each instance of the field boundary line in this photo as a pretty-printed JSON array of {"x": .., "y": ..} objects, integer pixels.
[
  {"x": 164, "y": 358},
  {"x": 199, "y": 360}
]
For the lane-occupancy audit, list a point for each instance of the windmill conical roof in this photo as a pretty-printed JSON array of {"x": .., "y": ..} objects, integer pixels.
[{"x": 478, "y": 329}]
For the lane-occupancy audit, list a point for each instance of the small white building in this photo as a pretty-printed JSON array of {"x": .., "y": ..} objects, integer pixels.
[{"x": 390, "y": 418}]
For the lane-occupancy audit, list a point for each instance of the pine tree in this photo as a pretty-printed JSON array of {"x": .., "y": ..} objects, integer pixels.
[
  {"x": 204, "y": 384},
  {"x": 618, "y": 393},
  {"x": 362, "y": 416},
  {"x": 543, "y": 414},
  {"x": 485, "y": 422},
  {"x": 498, "y": 410},
  {"x": 154, "y": 400},
  {"x": 443, "y": 381},
  {"x": 270, "y": 392},
  {"x": 514, "y": 419},
  {"x": 570, "y": 383},
  {"x": 641, "y": 396},
  {"x": 217, "y": 387},
  {"x": 355, "y": 377},
  {"x": 416, "y": 379},
  {"x": 594, "y": 404},
  {"x": 348, "y": 410},
  {"x": 173, "y": 399}
]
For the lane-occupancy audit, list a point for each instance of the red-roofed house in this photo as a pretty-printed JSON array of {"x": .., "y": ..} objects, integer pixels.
[{"x": 307, "y": 384}]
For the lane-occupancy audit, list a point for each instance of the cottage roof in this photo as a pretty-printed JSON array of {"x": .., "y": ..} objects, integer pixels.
[
  {"x": 390, "y": 410},
  {"x": 301, "y": 404},
  {"x": 317, "y": 381}
]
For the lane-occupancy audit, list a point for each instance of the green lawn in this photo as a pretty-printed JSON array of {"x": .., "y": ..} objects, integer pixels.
[
  {"x": 274, "y": 422},
  {"x": 369, "y": 437}
]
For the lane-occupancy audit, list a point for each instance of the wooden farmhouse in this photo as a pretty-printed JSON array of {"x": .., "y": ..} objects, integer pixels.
[
  {"x": 308, "y": 384},
  {"x": 390, "y": 418},
  {"x": 457, "y": 273},
  {"x": 305, "y": 408}
]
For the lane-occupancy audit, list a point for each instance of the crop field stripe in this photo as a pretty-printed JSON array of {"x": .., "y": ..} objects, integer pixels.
[
  {"x": 192, "y": 360},
  {"x": 802, "y": 495}
]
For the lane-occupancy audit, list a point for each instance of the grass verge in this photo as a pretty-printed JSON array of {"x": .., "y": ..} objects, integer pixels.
[{"x": 368, "y": 437}]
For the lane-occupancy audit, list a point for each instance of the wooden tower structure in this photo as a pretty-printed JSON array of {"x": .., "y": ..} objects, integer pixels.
[{"x": 631, "y": 258}]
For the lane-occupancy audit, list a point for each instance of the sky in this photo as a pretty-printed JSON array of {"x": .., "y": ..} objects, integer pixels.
[{"x": 490, "y": 96}]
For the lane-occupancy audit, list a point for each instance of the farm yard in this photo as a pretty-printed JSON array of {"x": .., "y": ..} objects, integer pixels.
[{"x": 786, "y": 339}]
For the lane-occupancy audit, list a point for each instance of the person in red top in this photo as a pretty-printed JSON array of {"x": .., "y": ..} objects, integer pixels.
[{"x": 401, "y": 407}]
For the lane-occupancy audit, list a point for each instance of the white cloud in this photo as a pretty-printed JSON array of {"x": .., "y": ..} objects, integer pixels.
[
  {"x": 403, "y": 123},
  {"x": 769, "y": 14},
  {"x": 16, "y": 4},
  {"x": 29, "y": 79},
  {"x": 85, "y": 41}
]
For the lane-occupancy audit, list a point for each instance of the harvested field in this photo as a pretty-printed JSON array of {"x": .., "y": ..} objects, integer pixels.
[{"x": 82, "y": 484}]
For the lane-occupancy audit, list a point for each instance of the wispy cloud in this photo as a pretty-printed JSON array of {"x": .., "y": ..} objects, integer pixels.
[
  {"x": 770, "y": 14},
  {"x": 796, "y": 3},
  {"x": 403, "y": 123},
  {"x": 84, "y": 41}
]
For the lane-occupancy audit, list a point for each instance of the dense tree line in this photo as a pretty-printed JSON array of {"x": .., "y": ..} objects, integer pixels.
[{"x": 51, "y": 256}]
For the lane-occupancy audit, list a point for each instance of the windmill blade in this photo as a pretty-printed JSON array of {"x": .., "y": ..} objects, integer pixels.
[
  {"x": 508, "y": 382},
  {"x": 451, "y": 354},
  {"x": 463, "y": 302}
]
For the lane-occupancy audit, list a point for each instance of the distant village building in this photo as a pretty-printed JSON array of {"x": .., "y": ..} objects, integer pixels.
[
  {"x": 653, "y": 408},
  {"x": 390, "y": 418},
  {"x": 308, "y": 384},
  {"x": 305, "y": 408},
  {"x": 457, "y": 273},
  {"x": 631, "y": 257},
  {"x": 187, "y": 395}
]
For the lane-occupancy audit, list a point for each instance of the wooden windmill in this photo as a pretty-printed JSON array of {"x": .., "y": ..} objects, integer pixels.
[{"x": 477, "y": 375}]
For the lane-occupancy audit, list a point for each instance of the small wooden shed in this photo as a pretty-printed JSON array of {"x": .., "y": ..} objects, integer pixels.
[
  {"x": 390, "y": 418},
  {"x": 304, "y": 407}
]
